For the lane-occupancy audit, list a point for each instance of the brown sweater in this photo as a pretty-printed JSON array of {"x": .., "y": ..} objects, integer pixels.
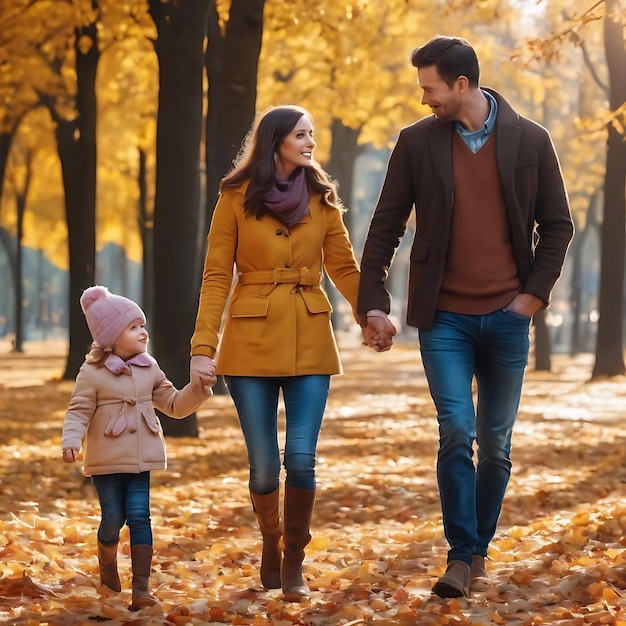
[{"x": 480, "y": 273}]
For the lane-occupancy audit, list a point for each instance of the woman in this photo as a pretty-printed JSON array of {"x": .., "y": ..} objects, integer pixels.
[{"x": 278, "y": 221}]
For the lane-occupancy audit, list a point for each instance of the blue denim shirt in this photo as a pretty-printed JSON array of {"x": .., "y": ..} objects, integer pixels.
[{"x": 476, "y": 139}]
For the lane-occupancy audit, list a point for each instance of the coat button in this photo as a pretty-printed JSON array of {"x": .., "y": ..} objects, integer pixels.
[{"x": 279, "y": 232}]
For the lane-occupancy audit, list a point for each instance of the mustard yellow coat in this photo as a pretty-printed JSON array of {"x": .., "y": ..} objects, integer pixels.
[{"x": 278, "y": 316}]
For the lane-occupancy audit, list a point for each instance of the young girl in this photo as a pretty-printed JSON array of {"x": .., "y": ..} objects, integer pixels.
[{"x": 112, "y": 406}]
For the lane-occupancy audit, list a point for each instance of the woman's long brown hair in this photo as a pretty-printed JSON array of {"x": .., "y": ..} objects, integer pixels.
[{"x": 255, "y": 162}]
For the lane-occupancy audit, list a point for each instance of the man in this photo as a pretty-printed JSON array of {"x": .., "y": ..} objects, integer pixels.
[{"x": 493, "y": 228}]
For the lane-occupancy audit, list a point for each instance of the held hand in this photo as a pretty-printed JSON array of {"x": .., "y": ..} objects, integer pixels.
[
  {"x": 379, "y": 331},
  {"x": 202, "y": 371},
  {"x": 384, "y": 342},
  {"x": 70, "y": 454},
  {"x": 208, "y": 392},
  {"x": 381, "y": 342}
]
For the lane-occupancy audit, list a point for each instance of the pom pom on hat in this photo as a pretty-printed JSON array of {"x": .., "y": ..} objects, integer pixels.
[{"x": 108, "y": 314}]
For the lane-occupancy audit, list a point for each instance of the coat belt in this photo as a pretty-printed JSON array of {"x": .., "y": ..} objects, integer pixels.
[{"x": 302, "y": 276}]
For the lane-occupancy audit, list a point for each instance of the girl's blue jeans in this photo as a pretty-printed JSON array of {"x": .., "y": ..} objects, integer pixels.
[
  {"x": 493, "y": 350},
  {"x": 256, "y": 401},
  {"x": 124, "y": 499}
]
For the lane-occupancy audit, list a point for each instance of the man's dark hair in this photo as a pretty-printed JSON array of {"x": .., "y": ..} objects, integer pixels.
[{"x": 452, "y": 56}]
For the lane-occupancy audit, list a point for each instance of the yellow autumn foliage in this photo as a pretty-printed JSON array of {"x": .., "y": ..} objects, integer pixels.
[{"x": 341, "y": 59}]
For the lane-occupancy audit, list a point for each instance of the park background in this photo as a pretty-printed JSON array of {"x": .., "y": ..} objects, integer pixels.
[{"x": 118, "y": 119}]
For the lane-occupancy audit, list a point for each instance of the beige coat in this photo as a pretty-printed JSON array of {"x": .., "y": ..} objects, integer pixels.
[
  {"x": 113, "y": 414},
  {"x": 278, "y": 319}
]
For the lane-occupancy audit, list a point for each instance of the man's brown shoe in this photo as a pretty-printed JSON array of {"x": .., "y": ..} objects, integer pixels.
[
  {"x": 479, "y": 579},
  {"x": 455, "y": 582}
]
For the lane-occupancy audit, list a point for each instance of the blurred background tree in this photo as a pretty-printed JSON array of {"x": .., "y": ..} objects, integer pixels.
[{"x": 118, "y": 119}]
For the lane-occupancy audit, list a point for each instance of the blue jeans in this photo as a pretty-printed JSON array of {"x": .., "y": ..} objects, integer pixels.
[
  {"x": 256, "y": 401},
  {"x": 124, "y": 498},
  {"x": 492, "y": 348}
]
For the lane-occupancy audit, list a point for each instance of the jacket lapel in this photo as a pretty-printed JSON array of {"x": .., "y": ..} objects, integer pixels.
[
  {"x": 508, "y": 138},
  {"x": 440, "y": 142}
]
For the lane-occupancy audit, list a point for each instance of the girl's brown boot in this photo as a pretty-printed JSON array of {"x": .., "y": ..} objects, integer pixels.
[
  {"x": 107, "y": 560},
  {"x": 141, "y": 557}
]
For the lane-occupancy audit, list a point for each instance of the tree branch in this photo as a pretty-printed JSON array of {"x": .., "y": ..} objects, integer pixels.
[{"x": 577, "y": 40}]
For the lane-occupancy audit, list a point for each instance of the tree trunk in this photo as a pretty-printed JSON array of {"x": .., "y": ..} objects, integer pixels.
[
  {"x": 543, "y": 346},
  {"x": 609, "y": 347},
  {"x": 81, "y": 246},
  {"x": 5, "y": 145},
  {"x": 179, "y": 47},
  {"x": 344, "y": 150},
  {"x": 21, "y": 196},
  {"x": 9, "y": 245},
  {"x": 18, "y": 343},
  {"x": 578, "y": 293},
  {"x": 543, "y": 350},
  {"x": 231, "y": 63},
  {"x": 146, "y": 229},
  {"x": 76, "y": 144},
  {"x": 576, "y": 252}
]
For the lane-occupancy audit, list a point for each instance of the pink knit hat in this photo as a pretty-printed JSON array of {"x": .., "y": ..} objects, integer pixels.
[{"x": 108, "y": 315}]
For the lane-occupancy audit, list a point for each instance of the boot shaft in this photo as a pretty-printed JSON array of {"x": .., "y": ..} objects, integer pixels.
[
  {"x": 265, "y": 507},
  {"x": 107, "y": 562},
  {"x": 297, "y": 523},
  {"x": 266, "y": 511},
  {"x": 141, "y": 557}
]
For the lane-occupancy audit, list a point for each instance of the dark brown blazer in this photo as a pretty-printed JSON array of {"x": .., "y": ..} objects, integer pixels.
[{"x": 420, "y": 175}]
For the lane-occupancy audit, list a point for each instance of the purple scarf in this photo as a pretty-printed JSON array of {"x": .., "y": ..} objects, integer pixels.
[{"x": 288, "y": 200}]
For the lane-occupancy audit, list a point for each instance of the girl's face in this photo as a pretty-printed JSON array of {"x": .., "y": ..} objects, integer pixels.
[
  {"x": 133, "y": 340},
  {"x": 296, "y": 149}
]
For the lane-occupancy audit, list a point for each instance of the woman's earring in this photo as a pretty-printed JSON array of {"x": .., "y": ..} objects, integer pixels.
[{"x": 276, "y": 157}]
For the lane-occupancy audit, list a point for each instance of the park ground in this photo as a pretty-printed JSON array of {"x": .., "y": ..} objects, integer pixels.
[{"x": 559, "y": 556}]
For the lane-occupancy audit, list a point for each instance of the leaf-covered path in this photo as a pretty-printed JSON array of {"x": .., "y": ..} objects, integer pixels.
[{"x": 559, "y": 556}]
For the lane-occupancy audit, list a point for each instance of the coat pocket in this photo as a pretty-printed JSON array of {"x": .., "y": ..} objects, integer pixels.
[
  {"x": 117, "y": 424},
  {"x": 151, "y": 420},
  {"x": 249, "y": 306},
  {"x": 316, "y": 301}
]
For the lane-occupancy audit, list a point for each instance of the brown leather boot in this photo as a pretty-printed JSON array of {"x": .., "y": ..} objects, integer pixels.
[
  {"x": 297, "y": 522},
  {"x": 266, "y": 512},
  {"x": 107, "y": 560},
  {"x": 141, "y": 557}
]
